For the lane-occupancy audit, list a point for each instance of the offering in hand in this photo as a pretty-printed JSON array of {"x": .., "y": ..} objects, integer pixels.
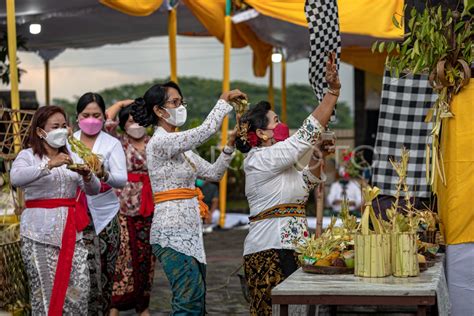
[
  {"x": 240, "y": 104},
  {"x": 90, "y": 159}
]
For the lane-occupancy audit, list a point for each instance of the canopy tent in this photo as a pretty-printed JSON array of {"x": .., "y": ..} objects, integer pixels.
[{"x": 279, "y": 23}]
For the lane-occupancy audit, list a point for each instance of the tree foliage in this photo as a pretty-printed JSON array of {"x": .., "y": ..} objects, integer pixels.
[{"x": 201, "y": 95}]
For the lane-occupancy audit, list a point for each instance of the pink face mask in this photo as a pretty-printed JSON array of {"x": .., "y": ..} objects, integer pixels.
[
  {"x": 281, "y": 132},
  {"x": 91, "y": 126}
]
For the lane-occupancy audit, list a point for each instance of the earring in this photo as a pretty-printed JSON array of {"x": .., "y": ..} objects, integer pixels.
[{"x": 265, "y": 137}]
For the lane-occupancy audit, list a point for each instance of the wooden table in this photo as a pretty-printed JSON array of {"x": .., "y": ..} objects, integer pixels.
[{"x": 427, "y": 291}]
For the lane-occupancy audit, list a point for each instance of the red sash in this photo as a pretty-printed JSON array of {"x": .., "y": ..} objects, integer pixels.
[
  {"x": 147, "y": 206},
  {"x": 76, "y": 220}
]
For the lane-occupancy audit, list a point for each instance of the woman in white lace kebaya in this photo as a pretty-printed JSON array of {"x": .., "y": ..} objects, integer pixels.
[
  {"x": 176, "y": 233},
  {"x": 51, "y": 224},
  {"x": 277, "y": 192}
]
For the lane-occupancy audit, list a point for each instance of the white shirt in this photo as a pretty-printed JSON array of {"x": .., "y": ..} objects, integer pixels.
[
  {"x": 172, "y": 165},
  {"x": 30, "y": 173},
  {"x": 353, "y": 193},
  {"x": 104, "y": 206},
  {"x": 271, "y": 179}
]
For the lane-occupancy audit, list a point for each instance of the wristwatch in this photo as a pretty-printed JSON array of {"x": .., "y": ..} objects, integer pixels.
[{"x": 228, "y": 150}]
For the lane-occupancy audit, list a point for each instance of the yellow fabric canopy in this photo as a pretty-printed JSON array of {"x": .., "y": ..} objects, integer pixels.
[
  {"x": 211, "y": 14},
  {"x": 457, "y": 142},
  {"x": 361, "y": 17},
  {"x": 365, "y": 17},
  {"x": 134, "y": 7}
]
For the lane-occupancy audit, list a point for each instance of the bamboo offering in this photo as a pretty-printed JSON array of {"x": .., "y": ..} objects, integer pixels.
[
  {"x": 404, "y": 224},
  {"x": 372, "y": 247}
]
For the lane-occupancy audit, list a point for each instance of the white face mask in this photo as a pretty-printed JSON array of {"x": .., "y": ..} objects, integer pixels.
[
  {"x": 56, "y": 138},
  {"x": 178, "y": 116},
  {"x": 136, "y": 131}
]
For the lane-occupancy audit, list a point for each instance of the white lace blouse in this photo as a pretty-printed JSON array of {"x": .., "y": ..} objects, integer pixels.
[
  {"x": 271, "y": 179},
  {"x": 173, "y": 165},
  {"x": 104, "y": 206},
  {"x": 30, "y": 173}
]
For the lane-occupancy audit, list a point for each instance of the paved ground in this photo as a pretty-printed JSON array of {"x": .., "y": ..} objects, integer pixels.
[{"x": 224, "y": 256}]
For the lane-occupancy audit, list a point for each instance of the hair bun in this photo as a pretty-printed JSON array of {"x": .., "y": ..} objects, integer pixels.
[
  {"x": 139, "y": 112},
  {"x": 140, "y": 101}
]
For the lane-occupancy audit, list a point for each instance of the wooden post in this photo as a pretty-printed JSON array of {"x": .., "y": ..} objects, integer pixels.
[
  {"x": 225, "y": 123},
  {"x": 271, "y": 92},
  {"x": 283, "y": 90},
  {"x": 14, "y": 92},
  {"x": 172, "y": 31},
  {"x": 47, "y": 95},
  {"x": 319, "y": 192}
]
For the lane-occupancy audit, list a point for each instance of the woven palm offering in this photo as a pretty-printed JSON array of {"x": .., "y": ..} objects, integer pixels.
[
  {"x": 333, "y": 251},
  {"x": 372, "y": 241},
  {"x": 404, "y": 223},
  {"x": 240, "y": 105},
  {"x": 93, "y": 161}
]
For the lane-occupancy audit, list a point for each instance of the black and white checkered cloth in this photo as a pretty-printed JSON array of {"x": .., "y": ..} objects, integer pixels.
[
  {"x": 404, "y": 105},
  {"x": 324, "y": 37}
]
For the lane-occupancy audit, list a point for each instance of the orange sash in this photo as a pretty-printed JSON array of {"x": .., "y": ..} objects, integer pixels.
[{"x": 183, "y": 194}]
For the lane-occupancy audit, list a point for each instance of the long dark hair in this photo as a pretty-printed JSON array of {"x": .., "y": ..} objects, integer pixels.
[
  {"x": 142, "y": 109},
  {"x": 39, "y": 121},
  {"x": 123, "y": 116},
  {"x": 256, "y": 118},
  {"x": 90, "y": 97}
]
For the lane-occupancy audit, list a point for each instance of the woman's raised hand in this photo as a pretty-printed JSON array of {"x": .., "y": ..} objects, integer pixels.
[
  {"x": 332, "y": 76},
  {"x": 232, "y": 94}
]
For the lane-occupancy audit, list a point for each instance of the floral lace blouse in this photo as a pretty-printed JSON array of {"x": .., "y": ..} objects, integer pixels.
[
  {"x": 272, "y": 179},
  {"x": 130, "y": 195},
  {"x": 173, "y": 165},
  {"x": 30, "y": 173}
]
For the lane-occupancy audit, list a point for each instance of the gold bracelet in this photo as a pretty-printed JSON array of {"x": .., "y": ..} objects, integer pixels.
[{"x": 334, "y": 92}]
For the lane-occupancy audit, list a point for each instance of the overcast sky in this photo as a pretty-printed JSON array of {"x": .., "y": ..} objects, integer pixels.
[{"x": 75, "y": 72}]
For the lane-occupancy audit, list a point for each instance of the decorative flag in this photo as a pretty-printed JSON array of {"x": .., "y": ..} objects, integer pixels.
[
  {"x": 403, "y": 108},
  {"x": 324, "y": 37}
]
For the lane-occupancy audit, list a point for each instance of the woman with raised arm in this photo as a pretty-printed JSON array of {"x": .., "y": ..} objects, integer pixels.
[
  {"x": 176, "y": 234},
  {"x": 51, "y": 225},
  {"x": 102, "y": 236},
  {"x": 277, "y": 192}
]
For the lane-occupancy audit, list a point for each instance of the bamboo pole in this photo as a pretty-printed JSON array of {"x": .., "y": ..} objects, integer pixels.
[
  {"x": 14, "y": 93},
  {"x": 172, "y": 31},
  {"x": 225, "y": 123},
  {"x": 283, "y": 90},
  {"x": 271, "y": 92},
  {"x": 47, "y": 83}
]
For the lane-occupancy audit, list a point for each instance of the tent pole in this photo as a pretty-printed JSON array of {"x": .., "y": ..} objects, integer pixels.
[
  {"x": 14, "y": 93},
  {"x": 47, "y": 83},
  {"x": 225, "y": 124},
  {"x": 172, "y": 30},
  {"x": 271, "y": 93},
  {"x": 283, "y": 91}
]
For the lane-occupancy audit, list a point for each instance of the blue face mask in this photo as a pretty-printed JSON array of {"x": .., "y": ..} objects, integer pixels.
[{"x": 199, "y": 182}]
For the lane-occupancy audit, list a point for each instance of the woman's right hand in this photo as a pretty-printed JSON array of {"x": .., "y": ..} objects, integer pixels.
[
  {"x": 59, "y": 160},
  {"x": 232, "y": 94}
]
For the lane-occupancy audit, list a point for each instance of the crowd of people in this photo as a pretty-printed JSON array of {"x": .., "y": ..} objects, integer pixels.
[{"x": 90, "y": 239}]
